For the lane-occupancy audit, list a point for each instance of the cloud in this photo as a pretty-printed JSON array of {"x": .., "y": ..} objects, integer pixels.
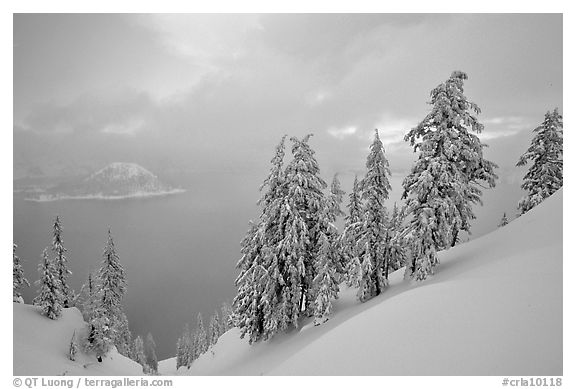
[
  {"x": 342, "y": 133},
  {"x": 120, "y": 112},
  {"x": 500, "y": 126}
]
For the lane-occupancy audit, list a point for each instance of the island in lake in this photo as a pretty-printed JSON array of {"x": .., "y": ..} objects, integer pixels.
[{"x": 118, "y": 180}]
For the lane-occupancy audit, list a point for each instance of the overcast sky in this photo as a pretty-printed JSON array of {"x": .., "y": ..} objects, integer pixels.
[{"x": 176, "y": 92}]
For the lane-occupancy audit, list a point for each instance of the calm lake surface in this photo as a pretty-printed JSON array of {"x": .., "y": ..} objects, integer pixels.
[{"x": 179, "y": 251}]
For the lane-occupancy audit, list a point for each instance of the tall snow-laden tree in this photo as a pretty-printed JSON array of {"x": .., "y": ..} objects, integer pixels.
[
  {"x": 503, "y": 221},
  {"x": 349, "y": 238},
  {"x": 226, "y": 320},
  {"x": 278, "y": 266},
  {"x": 303, "y": 208},
  {"x": 333, "y": 212},
  {"x": 179, "y": 353},
  {"x": 185, "y": 350},
  {"x": 73, "y": 349},
  {"x": 49, "y": 297},
  {"x": 123, "y": 340},
  {"x": 104, "y": 326},
  {"x": 202, "y": 336},
  {"x": 18, "y": 279},
  {"x": 250, "y": 305},
  {"x": 214, "y": 330},
  {"x": 325, "y": 281},
  {"x": 150, "y": 351},
  {"x": 545, "y": 175},
  {"x": 91, "y": 298},
  {"x": 336, "y": 197},
  {"x": 396, "y": 245},
  {"x": 375, "y": 188},
  {"x": 446, "y": 179},
  {"x": 60, "y": 263},
  {"x": 140, "y": 355}
]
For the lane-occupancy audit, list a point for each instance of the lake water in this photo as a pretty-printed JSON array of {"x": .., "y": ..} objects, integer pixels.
[{"x": 179, "y": 251}]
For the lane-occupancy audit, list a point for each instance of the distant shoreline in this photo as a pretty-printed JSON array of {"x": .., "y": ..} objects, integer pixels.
[{"x": 137, "y": 195}]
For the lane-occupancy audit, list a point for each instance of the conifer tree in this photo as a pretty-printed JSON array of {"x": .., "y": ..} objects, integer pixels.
[
  {"x": 214, "y": 330},
  {"x": 123, "y": 340},
  {"x": 545, "y": 175},
  {"x": 18, "y": 279},
  {"x": 202, "y": 338},
  {"x": 91, "y": 299},
  {"x": 73, "y": 349},
  {"x": 279, "y": 262},
  {"x": 49, "y": 297},
  {"x": 396, "y": 244},
  {"x": 60, "y": 261},
  {"x": 446, "y": 179},
  {"x": 350, "y": 236},
  {"x": 150, "y": 351},
  {"x": 373, "y": 237},
  {"x": 336, "y": 197},
  {"x": 105, "y": 323},
  {"x": 304, "y": 206},
  {"x": 187, "y": 351},
  {"x": 140, "y": 355},
  {"x": 225, "y": 317},
  {"x": 503, "y": 221},
  {"x": 325, "y": 281},
  {"x": 179, "y": 353},
  {"x": 334, "y": 211}
]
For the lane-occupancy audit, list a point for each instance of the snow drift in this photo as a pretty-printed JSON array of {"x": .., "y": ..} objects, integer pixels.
[
  {"x": 41, "y": 345},
  {"x": 494, "y": 307}
]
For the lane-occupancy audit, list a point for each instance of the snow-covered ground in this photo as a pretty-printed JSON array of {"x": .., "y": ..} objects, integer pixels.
[
  {"x": 494, "y": 307},
  {"x": 41, "y": 347}
]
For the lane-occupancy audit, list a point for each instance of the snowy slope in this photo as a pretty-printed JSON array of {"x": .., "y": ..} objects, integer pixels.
[
  {"x": 41, "y": 346},
  {"x": 494, "y": 307}
]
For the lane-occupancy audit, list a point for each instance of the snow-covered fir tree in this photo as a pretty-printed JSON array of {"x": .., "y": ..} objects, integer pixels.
[
  {"x": 49, "y": 297},
  {"x": 336, "y": 197},
  {"x": 91, "y": 298},
  {"x": 503, "y": 221},
  {"x": 545, "y": 175},
  {"x": 73, "y": 349},
  {"x": 334, "y": 211},
  {"x": 396, "y": 246},
  {"x": 104, "y": 326},
  {"x": 375, "y": 188},
  {"x": 226, "y": 319},
  {"x": 446, "y": 179},
  {"x": 325, "y": 281},
  {"x": 303, "y": 209},
  {"x": 349, "y": 238},
  {"x": 18, "y": 279},
  {"x": 184, "y": 349},
  {"x": 253, "y": 282},
  {"x": 179, "y": 353},
  {"x": 214, "y": 329},
  {"x": 140, "y": 356},
  {"x": 279, "y": 253},
  {"x": 248, "y": 313},
  {"x": 202, "y": 335},
  {"x": 123, "y": 341},
  {"x": 150, "y": 351},
  {"x": 60, "y": 263}
]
